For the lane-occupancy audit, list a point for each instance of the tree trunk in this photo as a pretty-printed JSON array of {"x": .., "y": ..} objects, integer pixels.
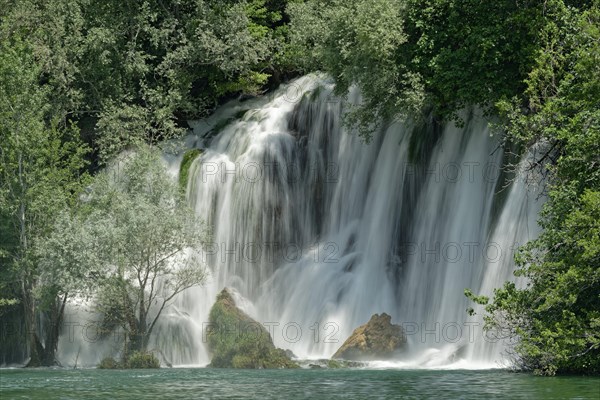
[
  {"x": 43, "y": 355},
  {"x": 139, "y": 334},
  {"x": 138, "y": 337},
  {"x": 55, "y": 317},
  {"x": 35, "y": 347},
  {"x": 36, "y": 352}
]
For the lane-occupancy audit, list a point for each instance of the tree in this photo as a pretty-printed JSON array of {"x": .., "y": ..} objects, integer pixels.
[
  {"x": 360, "y": 43},
  {"x": 414, "y": 56},
  {"x": 40, "y": 173},
  {"x": 148, "y": 238},
  {"x": 68, "y": 267},
  {"x": 147, "y": 64},
  {"x": 470, "y": 52},
  {"x": 557, "y": 315}
]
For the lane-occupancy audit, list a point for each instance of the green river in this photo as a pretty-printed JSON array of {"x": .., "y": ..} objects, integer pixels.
[{"x": 200, "y": 383}]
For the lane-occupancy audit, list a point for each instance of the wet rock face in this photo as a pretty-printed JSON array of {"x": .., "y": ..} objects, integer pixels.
[
  {"x": 237, "y": 341},
  {"x": 378, "y": 339}
]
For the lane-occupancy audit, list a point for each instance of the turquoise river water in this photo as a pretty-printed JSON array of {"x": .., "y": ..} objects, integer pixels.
[{"x": 200, "y": 383}]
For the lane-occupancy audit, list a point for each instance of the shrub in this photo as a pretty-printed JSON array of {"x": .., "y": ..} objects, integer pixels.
[
  {"x": 109, "y": 363},
  {"x": 140, "y": 360}
]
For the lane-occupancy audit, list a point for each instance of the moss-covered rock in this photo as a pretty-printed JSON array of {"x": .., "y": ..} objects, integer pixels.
[
  {"x": 237, "y": 341},
  {"x": 335, "y": 364},
  {"x": 378, "y": 339},
  {"x": 184, "y": 169}
]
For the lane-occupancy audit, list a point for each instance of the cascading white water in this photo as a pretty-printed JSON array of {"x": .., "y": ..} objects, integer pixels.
[{"x": 317, "y": 230}]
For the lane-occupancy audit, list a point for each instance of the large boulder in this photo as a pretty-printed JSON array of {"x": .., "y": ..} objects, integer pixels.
[
  {"x": 237, "y": 341},
  {"x": 378, "y": 339}
]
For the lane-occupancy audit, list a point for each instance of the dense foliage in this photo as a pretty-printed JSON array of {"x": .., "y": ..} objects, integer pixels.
[
  {"x": 40, "y": 170},
  {"x": 137, "y": 360},
  {"x": 557, "y": 316},
  {"x": 404, "y": 55},
  {"x": 135, "y": 70}
]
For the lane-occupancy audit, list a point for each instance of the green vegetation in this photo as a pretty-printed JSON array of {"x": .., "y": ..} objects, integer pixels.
[
  {"x": 557, "y": 316},
  {"x": 143, "y": 231},
  {"x": 135, "y": 71},
  {"x": 184, "y": 169},
  {"x": 407, "y": 56},
  {"x": 109, "y": 363},
  {"x": 237, "y": 341},
  {"x": 40, "y": 171},
  {"x": 123, "y": 245},
  {"x": 360, "y": 42},
  {"x": 137, "y": 360}
]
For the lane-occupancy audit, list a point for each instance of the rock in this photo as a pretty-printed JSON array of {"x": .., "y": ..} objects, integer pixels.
[
  {"x": 326, "y": 363},
  {"x": 337, "y": 364},
  {"x": 378, "y": 339},
  {"x": 290, "y": 353},
  {"x": 237, "y": 341},
  {"x": 184, "y": 168}
]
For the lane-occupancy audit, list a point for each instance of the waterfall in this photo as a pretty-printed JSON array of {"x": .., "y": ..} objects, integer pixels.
[{"x": 316, "y": 230}]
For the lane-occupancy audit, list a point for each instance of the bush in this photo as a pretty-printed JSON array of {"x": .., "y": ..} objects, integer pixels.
[
  {"x": 109, "y": 363},
  {"x": 140, "y": 360}
]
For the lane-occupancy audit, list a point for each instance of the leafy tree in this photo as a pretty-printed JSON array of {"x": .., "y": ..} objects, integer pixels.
[
  {"x": 557, "y": 316},
  {"x": 40, "y": 166},
  {"x": 68, "y": 267},
  {"x": 472, "y": 52},
  {"x": 360, "y": 42},
  {"x": 146, "y": 234},
  {"x": 410, "y": 56},
  {"x": 146, "y": 64}
]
